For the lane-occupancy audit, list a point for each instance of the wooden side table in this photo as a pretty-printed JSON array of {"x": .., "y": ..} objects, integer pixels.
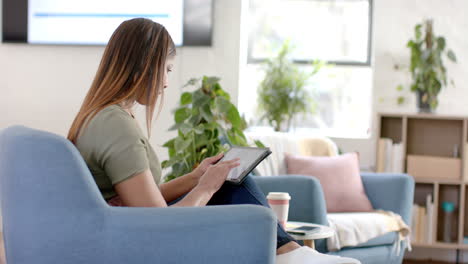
[{"x": 320, "y": 233}]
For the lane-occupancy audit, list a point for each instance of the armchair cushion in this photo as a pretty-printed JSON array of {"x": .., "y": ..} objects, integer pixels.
[
  {"x": 356, "y": 229},
  {"x": 386, "y": 239},
  {"x": 339, "y": 177}
]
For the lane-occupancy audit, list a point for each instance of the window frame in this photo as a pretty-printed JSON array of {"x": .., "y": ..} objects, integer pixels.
[{"x": 367, "y": 63}]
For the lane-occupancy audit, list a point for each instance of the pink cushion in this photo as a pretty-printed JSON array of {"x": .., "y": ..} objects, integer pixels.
[{"x": 339, "y": 177}]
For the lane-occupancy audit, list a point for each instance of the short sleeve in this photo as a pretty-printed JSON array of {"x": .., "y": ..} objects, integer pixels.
[{"x": 123, "y": 149}]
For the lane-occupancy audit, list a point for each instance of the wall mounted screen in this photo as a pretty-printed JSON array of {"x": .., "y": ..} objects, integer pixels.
[{"x": 91, "y": 22}]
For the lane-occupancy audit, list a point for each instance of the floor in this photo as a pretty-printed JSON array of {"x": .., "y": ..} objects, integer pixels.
[
  {"x": 2, "y": 250},
  {"x": 3, "y": 261},
  {"x": 425, "y": 262}
]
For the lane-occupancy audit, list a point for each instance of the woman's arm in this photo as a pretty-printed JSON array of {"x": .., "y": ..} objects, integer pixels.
[
  {"x": 140, "y": 190},
  {"x": 177, "y": 187},
  {"x": 184, "y": 184}
]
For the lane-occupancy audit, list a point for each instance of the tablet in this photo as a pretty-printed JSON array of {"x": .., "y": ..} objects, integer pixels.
[
  {"x": 303, "y": 230},
  {"x": 250, "y": 157}
]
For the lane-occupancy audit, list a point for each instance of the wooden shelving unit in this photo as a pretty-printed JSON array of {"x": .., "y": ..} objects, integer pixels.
[{"x": 435, "y": 136}]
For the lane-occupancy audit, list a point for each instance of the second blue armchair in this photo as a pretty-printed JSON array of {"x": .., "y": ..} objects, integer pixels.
[{"x": 391, "y": 192}]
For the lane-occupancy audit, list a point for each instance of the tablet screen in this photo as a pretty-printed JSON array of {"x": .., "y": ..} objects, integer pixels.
[{"x": 247, "y": 156}]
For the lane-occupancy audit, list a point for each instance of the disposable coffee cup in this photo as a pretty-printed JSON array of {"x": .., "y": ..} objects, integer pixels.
[{"x": 279, "y": 203}]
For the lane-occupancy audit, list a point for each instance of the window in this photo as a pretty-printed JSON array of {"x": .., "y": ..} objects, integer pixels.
[{"x": 335, "y": 31}]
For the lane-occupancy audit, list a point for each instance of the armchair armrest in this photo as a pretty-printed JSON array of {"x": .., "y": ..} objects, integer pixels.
[
  {"x": 392, "y": 192},
  {"x": 307, "y": 200},
  {"x": 213, "y": 234}
]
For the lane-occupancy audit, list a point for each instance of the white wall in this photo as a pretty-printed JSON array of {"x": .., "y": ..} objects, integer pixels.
[
  {"x": 394, "y": 22},
  {"x": 43, "y": 86},
  {"x": 393, "y": 27}
]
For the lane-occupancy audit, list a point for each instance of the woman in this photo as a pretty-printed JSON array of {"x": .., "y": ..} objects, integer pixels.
[{"x": 134, "y": 70}]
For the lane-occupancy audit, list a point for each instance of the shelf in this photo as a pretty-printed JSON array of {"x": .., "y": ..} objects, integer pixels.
[
  {"x": 464, "y": 231},
  {"x": 440, "y": 245},
  {"x": 448, "y": 193},
  {"x": 433, "y": 137},
  {"x": 441, "y": 181},
  {"x": 392, "y": 127},
  {"x": 424, "y": 116},
  {"x": 440, "y": 141}
]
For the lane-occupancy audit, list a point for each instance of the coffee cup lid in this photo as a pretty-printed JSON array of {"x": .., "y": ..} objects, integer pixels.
[{"x": 278, "y": 196}]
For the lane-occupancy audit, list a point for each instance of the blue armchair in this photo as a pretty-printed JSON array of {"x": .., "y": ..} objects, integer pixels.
[
  {"x": 392, "y": 192},
  {"x": 53, "y": 213}
]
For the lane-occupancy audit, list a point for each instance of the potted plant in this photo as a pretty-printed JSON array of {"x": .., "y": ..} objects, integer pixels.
[
  {"x": 427, "y": 69},
  {"x": 206, "y": 122},
  {"x": 282, "y": 93}
]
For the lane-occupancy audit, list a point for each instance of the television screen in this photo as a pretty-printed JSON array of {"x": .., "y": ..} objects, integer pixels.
[{"x": 91, "y": 22}]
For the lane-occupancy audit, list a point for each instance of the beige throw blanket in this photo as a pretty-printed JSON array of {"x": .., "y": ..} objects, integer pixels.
[{"x": 352, "y": 229}]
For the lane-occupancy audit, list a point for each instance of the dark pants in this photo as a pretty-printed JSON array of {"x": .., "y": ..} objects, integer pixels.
[{"x": 247, "y": 193}]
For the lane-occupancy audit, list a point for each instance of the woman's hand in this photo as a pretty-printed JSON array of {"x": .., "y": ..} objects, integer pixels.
[
  {"x": 215, "y": 175},
  {"x": 205, "y": 164}
]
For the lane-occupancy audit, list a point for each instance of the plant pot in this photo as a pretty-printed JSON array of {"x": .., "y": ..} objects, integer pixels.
[{"x": 423, "y": 106}]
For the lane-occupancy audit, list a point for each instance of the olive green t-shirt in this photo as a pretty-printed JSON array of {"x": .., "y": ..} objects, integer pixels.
[{"x": 115, "y": 148}]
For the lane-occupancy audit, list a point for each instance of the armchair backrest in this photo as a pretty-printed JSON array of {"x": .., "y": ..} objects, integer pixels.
[{"x": 45, "y": 187}]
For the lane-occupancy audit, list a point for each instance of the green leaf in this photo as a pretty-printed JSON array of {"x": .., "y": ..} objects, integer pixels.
[
  {"x": 180, "y": 167},
  {"x": 451, "y": 55},
  {"x": 452, "y": 82},
  {"x": 185, "y": 128},
  {"x": 186, "y": 98},
  {"x": 401, "y": 100},
  {"x": 206, "y": 113},
  {"x": 236, "y": 137},
  {"x": 191, "y": 82},
  {"x": 172, "y": 152},
  {"x": 168, "y": 163},
  {"x": 222, "y": 105},
  {"x": 417, "y": 31},
  {"x": 180, "y": 144},
  {"x": 199, "y": 129},
  {"x": 210, "y": 80},
  {"x": 434, "y": 103},
  {"x": 399, "y": 88},
  {"x": 169, "y": 143},
  {"x": 181, "y": 115},
  {"x": 203, "y": 153},
  {"x": 200, "y": 99},
  {"x": 174, "y": 127},
  {"x": 440, "y": 43},
  {"x": 195, "y": 119},
  {"x": 233, "y": 116},
  {"x": 259, "y": 144},
  {"x": 219, "y": 92}
]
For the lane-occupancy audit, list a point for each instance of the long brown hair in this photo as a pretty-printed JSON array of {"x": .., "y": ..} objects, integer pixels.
[{"x": 131, "y": 68}]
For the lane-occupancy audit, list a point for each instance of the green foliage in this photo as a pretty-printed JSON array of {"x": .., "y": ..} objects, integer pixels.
[
  {"x": 204, "y": 120},
  {"x": 282, "y": 93},
  {"x": 427, "y": 69}
]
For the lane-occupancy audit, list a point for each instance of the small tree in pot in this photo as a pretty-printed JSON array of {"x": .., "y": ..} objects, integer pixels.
[
  {"x": 427, "y": 69},
  {"x": 282, "y": 94}
]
